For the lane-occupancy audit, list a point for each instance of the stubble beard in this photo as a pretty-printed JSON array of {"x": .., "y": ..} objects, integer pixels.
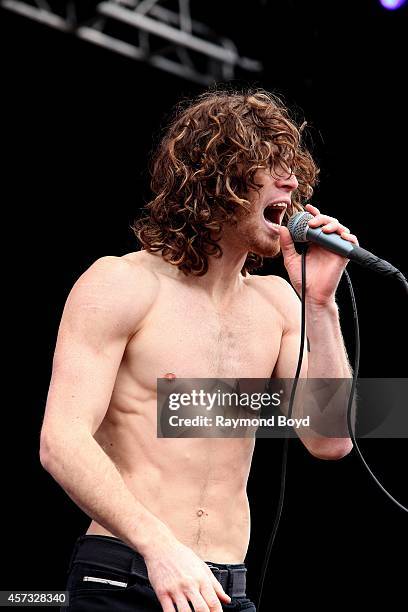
[{"x": 258, "y": 240}]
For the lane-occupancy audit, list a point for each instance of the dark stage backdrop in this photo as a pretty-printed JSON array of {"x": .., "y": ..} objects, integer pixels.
[{"x": 78, "y": 123}]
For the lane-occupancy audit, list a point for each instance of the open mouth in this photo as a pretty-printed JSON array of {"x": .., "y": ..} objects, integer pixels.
[{"x": 274, "y": 213}]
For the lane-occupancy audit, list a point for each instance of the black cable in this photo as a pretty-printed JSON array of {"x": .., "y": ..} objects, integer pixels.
[
  {"x": 281, "y": 500},
  {"x": 353, "y": 388},
  {"x": 286, "y": 441}
]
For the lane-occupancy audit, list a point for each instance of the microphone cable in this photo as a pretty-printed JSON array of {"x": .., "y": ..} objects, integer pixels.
[
  {"x": 286, "y": 440},
  {"x": 352, "y": 392},
  {"x": 281, "y": 500}
]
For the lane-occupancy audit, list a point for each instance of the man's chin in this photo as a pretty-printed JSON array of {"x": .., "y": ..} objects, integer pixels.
[{"x": 266, "y": 250}]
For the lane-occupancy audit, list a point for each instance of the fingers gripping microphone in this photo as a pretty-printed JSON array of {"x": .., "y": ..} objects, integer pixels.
[{"x": 301, "y": 232}]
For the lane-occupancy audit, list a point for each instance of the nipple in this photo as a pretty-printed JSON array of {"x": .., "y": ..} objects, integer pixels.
[
  {"x": 200, "y": 512},
  {"x": 170, "y": 376}
]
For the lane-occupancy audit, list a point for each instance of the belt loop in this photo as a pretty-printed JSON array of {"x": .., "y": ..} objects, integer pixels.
[
  {"x": 222, "y": 575},
  {"x": 132, "y": 569},
  {"x": 74, "y": 552},
  {"x": 138, "y": 567},
  {"x": 230, "y": 583},
  {"x": 237, "y": 582}
]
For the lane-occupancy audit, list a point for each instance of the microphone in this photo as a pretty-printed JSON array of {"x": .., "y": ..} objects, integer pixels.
[{"x": 301, "y": 232}]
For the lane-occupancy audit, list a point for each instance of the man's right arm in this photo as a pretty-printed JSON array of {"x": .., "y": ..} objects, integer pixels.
[
  {"x": 105, "y": 308},
  {"x": 102, "y": 312}
]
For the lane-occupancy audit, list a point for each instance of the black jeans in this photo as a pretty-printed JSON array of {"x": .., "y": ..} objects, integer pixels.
[{"x": 106, "y": 575}]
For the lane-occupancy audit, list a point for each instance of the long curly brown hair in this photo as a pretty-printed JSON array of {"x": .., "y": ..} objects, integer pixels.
[{"x": 204, "y": 167}]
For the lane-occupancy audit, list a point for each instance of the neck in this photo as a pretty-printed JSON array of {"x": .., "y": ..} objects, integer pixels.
[{"x": 223, "y": 277}]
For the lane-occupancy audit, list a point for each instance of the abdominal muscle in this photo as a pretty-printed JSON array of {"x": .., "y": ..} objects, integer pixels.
[{"x": 197, "y": 487}]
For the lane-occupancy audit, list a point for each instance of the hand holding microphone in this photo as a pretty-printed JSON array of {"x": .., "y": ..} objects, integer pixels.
[
  {"x": 331, "y": 247},
  {"x": 345, "y": 244}
]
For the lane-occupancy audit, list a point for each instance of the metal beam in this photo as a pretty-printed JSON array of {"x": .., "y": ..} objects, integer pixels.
[
  {"x": 183, "y": 34},
  {"x": 178, "y": 37},
  {"x": 38, "y": 14},
  {"x": 174, "y": 35},
  {"x": 133, "y": 52}
]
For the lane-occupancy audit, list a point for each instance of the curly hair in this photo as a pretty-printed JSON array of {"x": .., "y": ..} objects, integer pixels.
[{"x": 204, "y": 167}]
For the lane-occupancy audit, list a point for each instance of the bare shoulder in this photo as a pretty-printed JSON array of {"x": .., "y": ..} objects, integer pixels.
[
  {"x": 280, "y": 294},
  {"x": 276, "y": 287},
  {"x": 286, "y": 291},
  {"x": 118, "y": 288},
  {"x": 127, "y": 275}
]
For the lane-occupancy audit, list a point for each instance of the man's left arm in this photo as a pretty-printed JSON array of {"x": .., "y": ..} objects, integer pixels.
[{"x": 327, "y": 358}]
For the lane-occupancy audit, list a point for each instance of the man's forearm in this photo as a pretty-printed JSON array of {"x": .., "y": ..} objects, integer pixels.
[
  {"x": 327, "y": 357},
  {"x": 90, "y": 478},
  {"x": 325, "y": 402}
]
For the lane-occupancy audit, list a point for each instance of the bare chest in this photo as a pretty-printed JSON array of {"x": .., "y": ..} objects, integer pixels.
[{"x": 188, "y": 337}]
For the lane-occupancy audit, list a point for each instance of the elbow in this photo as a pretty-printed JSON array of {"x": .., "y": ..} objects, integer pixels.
[
  {"x": 45, "y": 452},
  {"x": 56, "y": 446},
  {"x": 44, "y": 456},
  {"x": 331, "y": 449}
]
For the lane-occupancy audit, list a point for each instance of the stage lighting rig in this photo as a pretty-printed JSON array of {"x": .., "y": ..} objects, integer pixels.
[{"x": 158, "y": 32}]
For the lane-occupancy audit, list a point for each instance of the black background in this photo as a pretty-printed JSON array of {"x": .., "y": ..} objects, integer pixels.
[{"x": 78, "y": 124}]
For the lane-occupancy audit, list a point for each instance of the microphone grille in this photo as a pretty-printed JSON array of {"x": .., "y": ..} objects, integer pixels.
[{"x": 298, "y": 224}]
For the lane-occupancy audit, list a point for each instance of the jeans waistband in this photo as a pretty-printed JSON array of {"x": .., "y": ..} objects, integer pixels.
[{"x": 111, "y": 553}]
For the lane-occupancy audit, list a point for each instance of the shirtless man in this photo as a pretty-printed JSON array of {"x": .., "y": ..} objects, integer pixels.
[{"x": 170, "y": 517}]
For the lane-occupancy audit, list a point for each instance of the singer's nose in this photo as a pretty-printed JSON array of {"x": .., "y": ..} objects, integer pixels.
[{"x": 287, "y": 181}]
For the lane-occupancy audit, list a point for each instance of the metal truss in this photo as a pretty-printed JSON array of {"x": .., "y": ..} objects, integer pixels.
[{"x": 147, "y": 31}]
